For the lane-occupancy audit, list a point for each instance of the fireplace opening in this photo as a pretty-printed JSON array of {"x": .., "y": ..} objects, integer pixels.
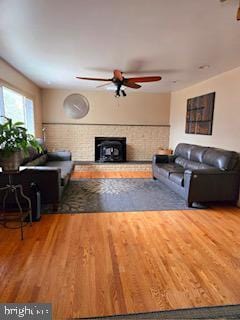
[{"x": 110, "y": 149}]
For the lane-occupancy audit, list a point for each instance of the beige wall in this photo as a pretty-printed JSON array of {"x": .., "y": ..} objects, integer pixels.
[
  {"x": 137, "y": 108},
  {"x": 226, "y": 122},
  {"x": 15, "y": 80},
  {"x": 143, "y": 118}
]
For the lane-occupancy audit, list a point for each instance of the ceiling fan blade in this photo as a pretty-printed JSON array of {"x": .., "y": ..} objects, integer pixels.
[
  {"x": 131, "y": 84},
  {"x": 144, "y": 79},
  {"x": 94, "y": 79},
  {"x": 105, "y": 84}
]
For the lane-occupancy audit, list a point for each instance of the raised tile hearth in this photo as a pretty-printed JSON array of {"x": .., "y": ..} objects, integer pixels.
[{"x": 104, "y": 166}]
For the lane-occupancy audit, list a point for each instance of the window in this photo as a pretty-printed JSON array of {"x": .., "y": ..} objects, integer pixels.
[{"x": 17, "y": 107}]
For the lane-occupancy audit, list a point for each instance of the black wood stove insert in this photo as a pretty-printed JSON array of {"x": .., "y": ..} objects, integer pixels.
[{"x": 110, "y": 149}]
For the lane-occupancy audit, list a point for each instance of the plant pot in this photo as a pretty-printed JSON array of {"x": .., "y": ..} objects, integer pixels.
[{"x": 11, "y": 162}]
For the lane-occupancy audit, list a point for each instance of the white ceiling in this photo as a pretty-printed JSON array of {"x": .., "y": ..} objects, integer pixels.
[{"x": 52, "y": 41}]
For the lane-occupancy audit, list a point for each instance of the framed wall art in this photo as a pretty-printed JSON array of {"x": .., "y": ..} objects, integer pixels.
[{"x": 199, "y": 117}]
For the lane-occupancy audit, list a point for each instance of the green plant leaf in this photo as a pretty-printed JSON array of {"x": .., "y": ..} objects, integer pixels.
[
  {"x": 14, "y": 137},
  {"x": 17, "y": 124}
]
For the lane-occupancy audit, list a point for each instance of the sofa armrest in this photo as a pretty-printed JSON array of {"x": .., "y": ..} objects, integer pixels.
[
  {"x": 163, "y": 158},
  {"x": 211, "y": 171},
  {"x": 48, "y": 180},
  {"x": 211, "y": 184},
  {"x": 59, "y": 156},
  {"x": 42, "y": 169}
]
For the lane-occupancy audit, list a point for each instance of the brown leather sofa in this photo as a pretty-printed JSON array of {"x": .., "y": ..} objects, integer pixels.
[
  {"x": 200, "y": 174},
  {"x": 49, "y": 171}
]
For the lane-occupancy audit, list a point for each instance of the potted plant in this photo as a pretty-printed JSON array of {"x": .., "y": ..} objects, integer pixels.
[{"x": 14, "y": 144}]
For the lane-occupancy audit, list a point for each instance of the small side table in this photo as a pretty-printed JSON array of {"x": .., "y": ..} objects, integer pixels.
[
  {"x": 7, "y": 217},
  {"x": 164, "y": 151}
]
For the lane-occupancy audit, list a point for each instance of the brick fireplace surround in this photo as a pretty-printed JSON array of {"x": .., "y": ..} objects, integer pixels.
[{"x": 142, "y": 140}]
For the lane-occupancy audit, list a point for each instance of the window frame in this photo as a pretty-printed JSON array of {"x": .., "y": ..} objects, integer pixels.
[{"x": 22, "y": 93}]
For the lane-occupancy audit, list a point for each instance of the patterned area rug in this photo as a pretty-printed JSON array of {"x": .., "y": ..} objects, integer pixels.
[
  {"x": 110, "y": 195},
  {"x": 218, "y": 312}
]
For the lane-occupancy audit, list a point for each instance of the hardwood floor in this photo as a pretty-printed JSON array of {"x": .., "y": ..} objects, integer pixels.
[
  {"x": 111, "y": 263},
  {"x": 111, "y": 174}
]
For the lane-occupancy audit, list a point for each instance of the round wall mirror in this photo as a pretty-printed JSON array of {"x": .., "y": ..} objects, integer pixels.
[{"x": 76, "y": 106}]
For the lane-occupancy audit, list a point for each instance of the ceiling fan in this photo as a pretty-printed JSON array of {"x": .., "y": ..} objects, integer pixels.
[{"x": 119, "y": 80}]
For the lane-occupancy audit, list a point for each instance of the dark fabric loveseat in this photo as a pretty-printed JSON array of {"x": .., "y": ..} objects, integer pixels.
[
  {"x": 49, "y": 171},
  {"x": 200, "y": 174}
]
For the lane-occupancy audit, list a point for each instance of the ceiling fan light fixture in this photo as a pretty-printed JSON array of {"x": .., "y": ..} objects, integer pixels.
[
  {"x": 123, "y": 93},
  {"x": 111, "y": 87}
]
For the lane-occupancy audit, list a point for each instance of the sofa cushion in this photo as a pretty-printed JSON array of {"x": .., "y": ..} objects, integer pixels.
[
  {"x": 178, "y": 178},
  {"x": 66, "y": 169},
  {"x": 30, "y": 156},
  {"x": 181, "y": 162},
  {"x": 191, "y": 165},
  {"x": 221, "y": 159},
  {"x": 40, "y": 161},
  {"x": 33, "y": 154},
  {"x": 197, "y": 153},
  {"x": 194, "y": 165},
  {"x": 183, "y": 150},
  {"x": 166, "y": 168},
  {"x": 60, "y": 155}
]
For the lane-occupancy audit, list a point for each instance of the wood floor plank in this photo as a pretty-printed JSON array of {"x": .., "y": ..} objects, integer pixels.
[
  {"x": 111, "y": 174},
  {"x": 111, "y": 263}
]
